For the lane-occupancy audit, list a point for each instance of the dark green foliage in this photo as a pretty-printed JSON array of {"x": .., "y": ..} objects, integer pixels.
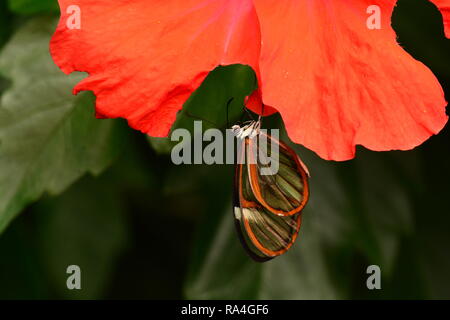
[{"x": 76, "y": 190}]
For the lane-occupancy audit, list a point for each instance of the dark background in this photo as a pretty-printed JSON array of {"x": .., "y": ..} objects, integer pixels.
[{"x": 143, "y": 228}]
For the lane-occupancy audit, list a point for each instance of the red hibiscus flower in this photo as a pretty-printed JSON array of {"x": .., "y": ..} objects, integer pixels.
[{"x": 336, "y": 82}]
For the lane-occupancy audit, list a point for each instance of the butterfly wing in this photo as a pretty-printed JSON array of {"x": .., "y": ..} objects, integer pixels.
[
  {"x": 284, "y": 192},
  {"x": 263, "y": 234}
]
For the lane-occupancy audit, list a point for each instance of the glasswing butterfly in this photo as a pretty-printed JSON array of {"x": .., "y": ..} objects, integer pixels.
[{"x": 267, "y": 208}]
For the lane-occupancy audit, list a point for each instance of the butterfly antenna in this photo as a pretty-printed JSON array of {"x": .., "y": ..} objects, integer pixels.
[
  {"x": 248, "y": 113},
  {"x": 262, "y": 113}
]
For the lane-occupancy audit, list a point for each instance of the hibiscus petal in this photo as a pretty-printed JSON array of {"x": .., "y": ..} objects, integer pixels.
[
  {"x": 337, "y": 83},
  {"x": 444, "y": 7},
  {"x": 145, "y": 58}
]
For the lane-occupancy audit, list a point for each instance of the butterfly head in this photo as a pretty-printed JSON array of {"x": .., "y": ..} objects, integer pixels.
[{"x": 249, "y": 130}]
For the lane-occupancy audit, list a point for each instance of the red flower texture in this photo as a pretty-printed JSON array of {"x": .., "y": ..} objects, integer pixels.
[{"x": 336, "y": 82}]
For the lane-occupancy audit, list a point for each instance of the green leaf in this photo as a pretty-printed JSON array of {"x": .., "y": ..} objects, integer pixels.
[
  {"x": 48, "y": 138},
  {"x": 94, "y": 233},
  {"x": 161, "y": 145},
  {"x": 209, "y": 102},
  {"x": 28, "y": 7},
  {"x": 5, "y": 24},
  {"x": 220, "y": 269},
  {"x": 72, "y": 229}
]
